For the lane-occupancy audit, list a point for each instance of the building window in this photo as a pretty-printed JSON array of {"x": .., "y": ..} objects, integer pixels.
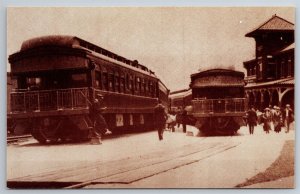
[
  {"x": 289, "y": 66},
  {"x": 248, "y": 71},
  {"x": 283, "y": 68},
  {"x": 259, "y": 70}
]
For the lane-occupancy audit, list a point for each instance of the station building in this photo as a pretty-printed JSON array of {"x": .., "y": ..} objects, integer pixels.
[{"x": 270, "y": 75}]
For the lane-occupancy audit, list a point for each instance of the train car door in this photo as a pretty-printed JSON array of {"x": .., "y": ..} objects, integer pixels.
[{"x": 219, "y": 106}]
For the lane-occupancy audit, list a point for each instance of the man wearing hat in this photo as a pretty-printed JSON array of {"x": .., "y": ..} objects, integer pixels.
[
  {"x": 160, "y": 117},
  {"x": 267, "y": 117},
  {"x": 252, "y": 120},
  {"x": 99, "y": 124},
  {"x": 288, "y": 117},
  {"x": 277, "y": 119}
]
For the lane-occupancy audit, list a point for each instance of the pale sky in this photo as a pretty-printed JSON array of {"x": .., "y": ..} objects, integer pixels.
[{"x": 174, "y": 42}]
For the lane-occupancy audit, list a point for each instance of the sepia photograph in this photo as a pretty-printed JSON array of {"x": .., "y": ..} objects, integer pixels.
[{"x": 150, "y": 97}]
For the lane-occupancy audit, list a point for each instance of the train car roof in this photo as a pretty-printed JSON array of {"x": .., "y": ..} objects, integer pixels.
[
  {"x": 75, "y": 42},
  {"x": 54, "y": 40},
  {"x": 181, "y": 93},
  {"x": 218, "y": 71},
  {"x": 163, "y": 85},
  {"x": 217, "y": 78}
]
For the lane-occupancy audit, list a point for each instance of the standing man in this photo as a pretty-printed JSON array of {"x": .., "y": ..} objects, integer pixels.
[
  {"x": 99, "y": 124},
  {"x": 184, "y": 120},
  {"x": 252, "y": 120},
  {"x": 277, "y": 120},
  {"x": 288, "y": 117},
  {"x": 160, "y": 117}
]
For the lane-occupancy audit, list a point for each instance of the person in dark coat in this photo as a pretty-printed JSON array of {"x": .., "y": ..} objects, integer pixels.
[
  {"x": 184, "y": 120},
  {"x": 252, "y": 120},
  {"x": 277, "y": 119},
  {"x": 288, "y": 117},
  {"x": 160, "y": 118},
  {"x": 178, "y": 119},
  {"x": 99, "y": 124}
]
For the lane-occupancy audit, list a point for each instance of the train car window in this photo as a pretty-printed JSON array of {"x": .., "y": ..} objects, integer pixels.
[
  {"x": 98, "y": 79},
  {"x": 111, "y": 82},
  {"x": 79, "y": 80},
  {"x": 146, "y": 87},
  {"x": 131, "y": 86},
  {"x": 21, "y": 82},
  {"x": 142, "y": 88},
  {"x": 117, "y": 83},
  {"x": 154, "y": 90},
  {"x": 127, "y": 81},
  {"x": 105, "y": 81},
  {"x": 33, "y": 83},
  {"x": 137, "y": 84},
  {"x": 122, "y": 85},
  {"x": 235, "y": 92},
  {"x": 150, "y": 88},
  {"x": 140, "y": 85}
]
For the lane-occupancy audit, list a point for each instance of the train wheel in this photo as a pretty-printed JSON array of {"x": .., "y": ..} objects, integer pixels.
[
  {"x": 221, "y": 123},
  {"x": 46, "y": 134}
]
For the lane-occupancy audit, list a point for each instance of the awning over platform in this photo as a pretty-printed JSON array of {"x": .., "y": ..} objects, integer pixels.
[{"x": 286, "y": 81}]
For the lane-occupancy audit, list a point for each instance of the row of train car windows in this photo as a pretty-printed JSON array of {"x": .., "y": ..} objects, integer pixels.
[{"x": 128, "y": 84}]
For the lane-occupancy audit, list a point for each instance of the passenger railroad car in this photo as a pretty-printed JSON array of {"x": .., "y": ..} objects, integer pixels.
[
  {"x": 57, "y": 78},
  {"x": 218, "y": 101}
]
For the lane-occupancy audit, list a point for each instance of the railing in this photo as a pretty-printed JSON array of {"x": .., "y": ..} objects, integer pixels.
[
  {"x": 228, "y": 105},
  {"x": 43, "y": 100}
]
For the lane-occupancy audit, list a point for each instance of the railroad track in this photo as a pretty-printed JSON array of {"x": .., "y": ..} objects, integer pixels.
[
  {"x": 17, "y": 138},
  {"x": 123, "y": 171}
]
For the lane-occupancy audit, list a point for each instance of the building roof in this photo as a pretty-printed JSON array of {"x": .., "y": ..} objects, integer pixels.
[
  {"x": 285, "y": 81},
  {"x": 290, "y": 47},
  {"x": 275, "y": 23}
]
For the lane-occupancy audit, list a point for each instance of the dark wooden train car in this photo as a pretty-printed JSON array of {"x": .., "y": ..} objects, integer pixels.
[
  {"x": 218, "y": 101},
  {"x": 179, "y": 100},
  {"x": 181, "y": 105},
  {"x": 57, "y": 77}
]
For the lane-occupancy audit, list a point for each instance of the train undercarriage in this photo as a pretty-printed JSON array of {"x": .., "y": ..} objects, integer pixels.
[
  {"x": 64, "y": 115},
  {"x": 219, "y": 125}
]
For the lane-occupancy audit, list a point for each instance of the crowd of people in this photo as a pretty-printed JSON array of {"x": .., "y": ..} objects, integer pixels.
[
  {"x": 273, "y": 118},
  {"x": 100, "y": 127}
]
